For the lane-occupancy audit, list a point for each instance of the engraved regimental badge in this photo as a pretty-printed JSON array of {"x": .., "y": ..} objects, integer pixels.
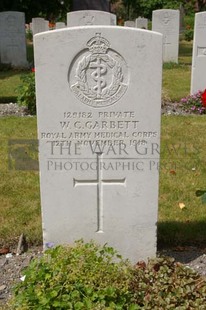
[{"x": 98, "y": 75}]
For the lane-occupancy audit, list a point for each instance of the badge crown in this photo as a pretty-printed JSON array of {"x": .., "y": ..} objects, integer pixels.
[{"x": 98, "y": 45}]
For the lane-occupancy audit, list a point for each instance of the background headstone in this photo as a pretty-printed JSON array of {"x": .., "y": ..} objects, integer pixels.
[
  {"x": 99, "y": 136},
  {"x": 60, "y": 25},
  {"x": 141, "y": 23},
  {"x": 167, "y": 22},
  {"x": 129, "y": 23},
  {"x": 39, "y": 25},
  {"x": 100, "y": 5},
  {"x": 13, "y": 39},
  {"x": 89, "y": 18},
  {"x": 198, "y": 79}
]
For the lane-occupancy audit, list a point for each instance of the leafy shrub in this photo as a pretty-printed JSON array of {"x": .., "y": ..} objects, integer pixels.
[
  {"x": 92, "y": 277},
  {"x": 26, "y": 92},
  {"x": 195, "y": 103},
  {"x": 82, "y": 277},
  {"x": 188, "y": 34},
  {"x": 163, "y": 284},
  {"x": 29, "y": 35}
]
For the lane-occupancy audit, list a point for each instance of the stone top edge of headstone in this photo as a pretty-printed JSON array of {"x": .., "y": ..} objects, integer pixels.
[
  {"x": 38, "y": 18},
  {"x": 11, "y": 12},
  {"x": 98, "y": 27},
  {"x": 90, "y": 11},
  {"x": 169, "y": 10},
  {"x": 201, "y": 13}
]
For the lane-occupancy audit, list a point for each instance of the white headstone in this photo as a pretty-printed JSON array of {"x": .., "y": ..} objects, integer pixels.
[
  {"x": 13, "y": 39},
  {"x": 90, "y": 17},
  {"x": 167, "y": 22},
  {"x": 60, "y": 25},
  {"x": 141, "y": 23},
  {"x": 129, "y": 23},
  {"x": 39, "y": 25},
  {"x": 98, "y": 110},
  {"x": 198, "y": 79}
]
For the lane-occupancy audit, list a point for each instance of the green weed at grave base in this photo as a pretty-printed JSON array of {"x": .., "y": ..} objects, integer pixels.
[{"x": 89, "y": 276}]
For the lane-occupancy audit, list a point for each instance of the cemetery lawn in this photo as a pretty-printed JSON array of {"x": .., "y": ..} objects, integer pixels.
[
  {"x": 19, "y": 190},
  {"x": 10, "y": 80},
  {"x": 182, "y": 215}
]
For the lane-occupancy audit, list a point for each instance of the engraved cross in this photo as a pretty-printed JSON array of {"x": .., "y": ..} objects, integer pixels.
[{"x": 99, "y": 182}]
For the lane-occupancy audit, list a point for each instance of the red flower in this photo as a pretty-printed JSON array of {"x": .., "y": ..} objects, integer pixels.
[
  {"x": 33, "y": 70},
  {"x": 203, "y": 98}
]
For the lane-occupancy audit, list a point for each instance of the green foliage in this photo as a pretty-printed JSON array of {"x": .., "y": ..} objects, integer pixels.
[
  {"x": 29, "y": 35},
  {"x": 26, "y": 92},
  {"x": 83, "y": 277},
  {"x": 163, "y": 284},
  {"x": 189, "y": 21},
  {"x": 88, "y": 276},
  {"x": 188, "y": 34},
  {"x": 171, "y": 65}
]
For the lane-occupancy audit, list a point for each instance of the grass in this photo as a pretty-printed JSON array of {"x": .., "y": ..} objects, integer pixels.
[
  {"x": 19, "y": 190},
  {"x": 183, "y": 169},
  {"x": 176, "y": 77}
]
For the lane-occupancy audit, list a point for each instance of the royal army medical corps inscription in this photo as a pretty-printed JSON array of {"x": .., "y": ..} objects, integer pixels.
[{"x": 98, "y": 75}]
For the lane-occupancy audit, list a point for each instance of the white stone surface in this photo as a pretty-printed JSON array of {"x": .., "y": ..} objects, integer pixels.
[
  {"x": 98, "y": 110},
  {"x": 13, "y": 39},
  {"x": 90, "y": 17},
  {"x": 39, "y": 25},
  {"x": 167, "y": 22},
  {"x": 129, "y": 23},
  {"x": 141, "y": 23},
  {"x": 198, "y": 79},
  {"x": 60, "y": 25}
]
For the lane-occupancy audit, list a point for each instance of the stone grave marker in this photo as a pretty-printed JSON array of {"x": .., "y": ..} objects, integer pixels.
[
  {"x": 129, "y": 23},
  {"x": 167, "y": 22},
  {"x": 13, "y": 39},
  {"x": 60, "y": 25},
  {"x": 98, "y": 111},
  {"x": 198, "y": 78},
  {"x": 141, "y": 23},
  {"x": 90, "y": 17},
  {"x": 39, "y": 25}
]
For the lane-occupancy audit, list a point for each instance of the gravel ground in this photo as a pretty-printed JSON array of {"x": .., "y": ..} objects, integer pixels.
[
  {"x": 11, "y": 265},
  {"x": 12, "y": 109}
]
